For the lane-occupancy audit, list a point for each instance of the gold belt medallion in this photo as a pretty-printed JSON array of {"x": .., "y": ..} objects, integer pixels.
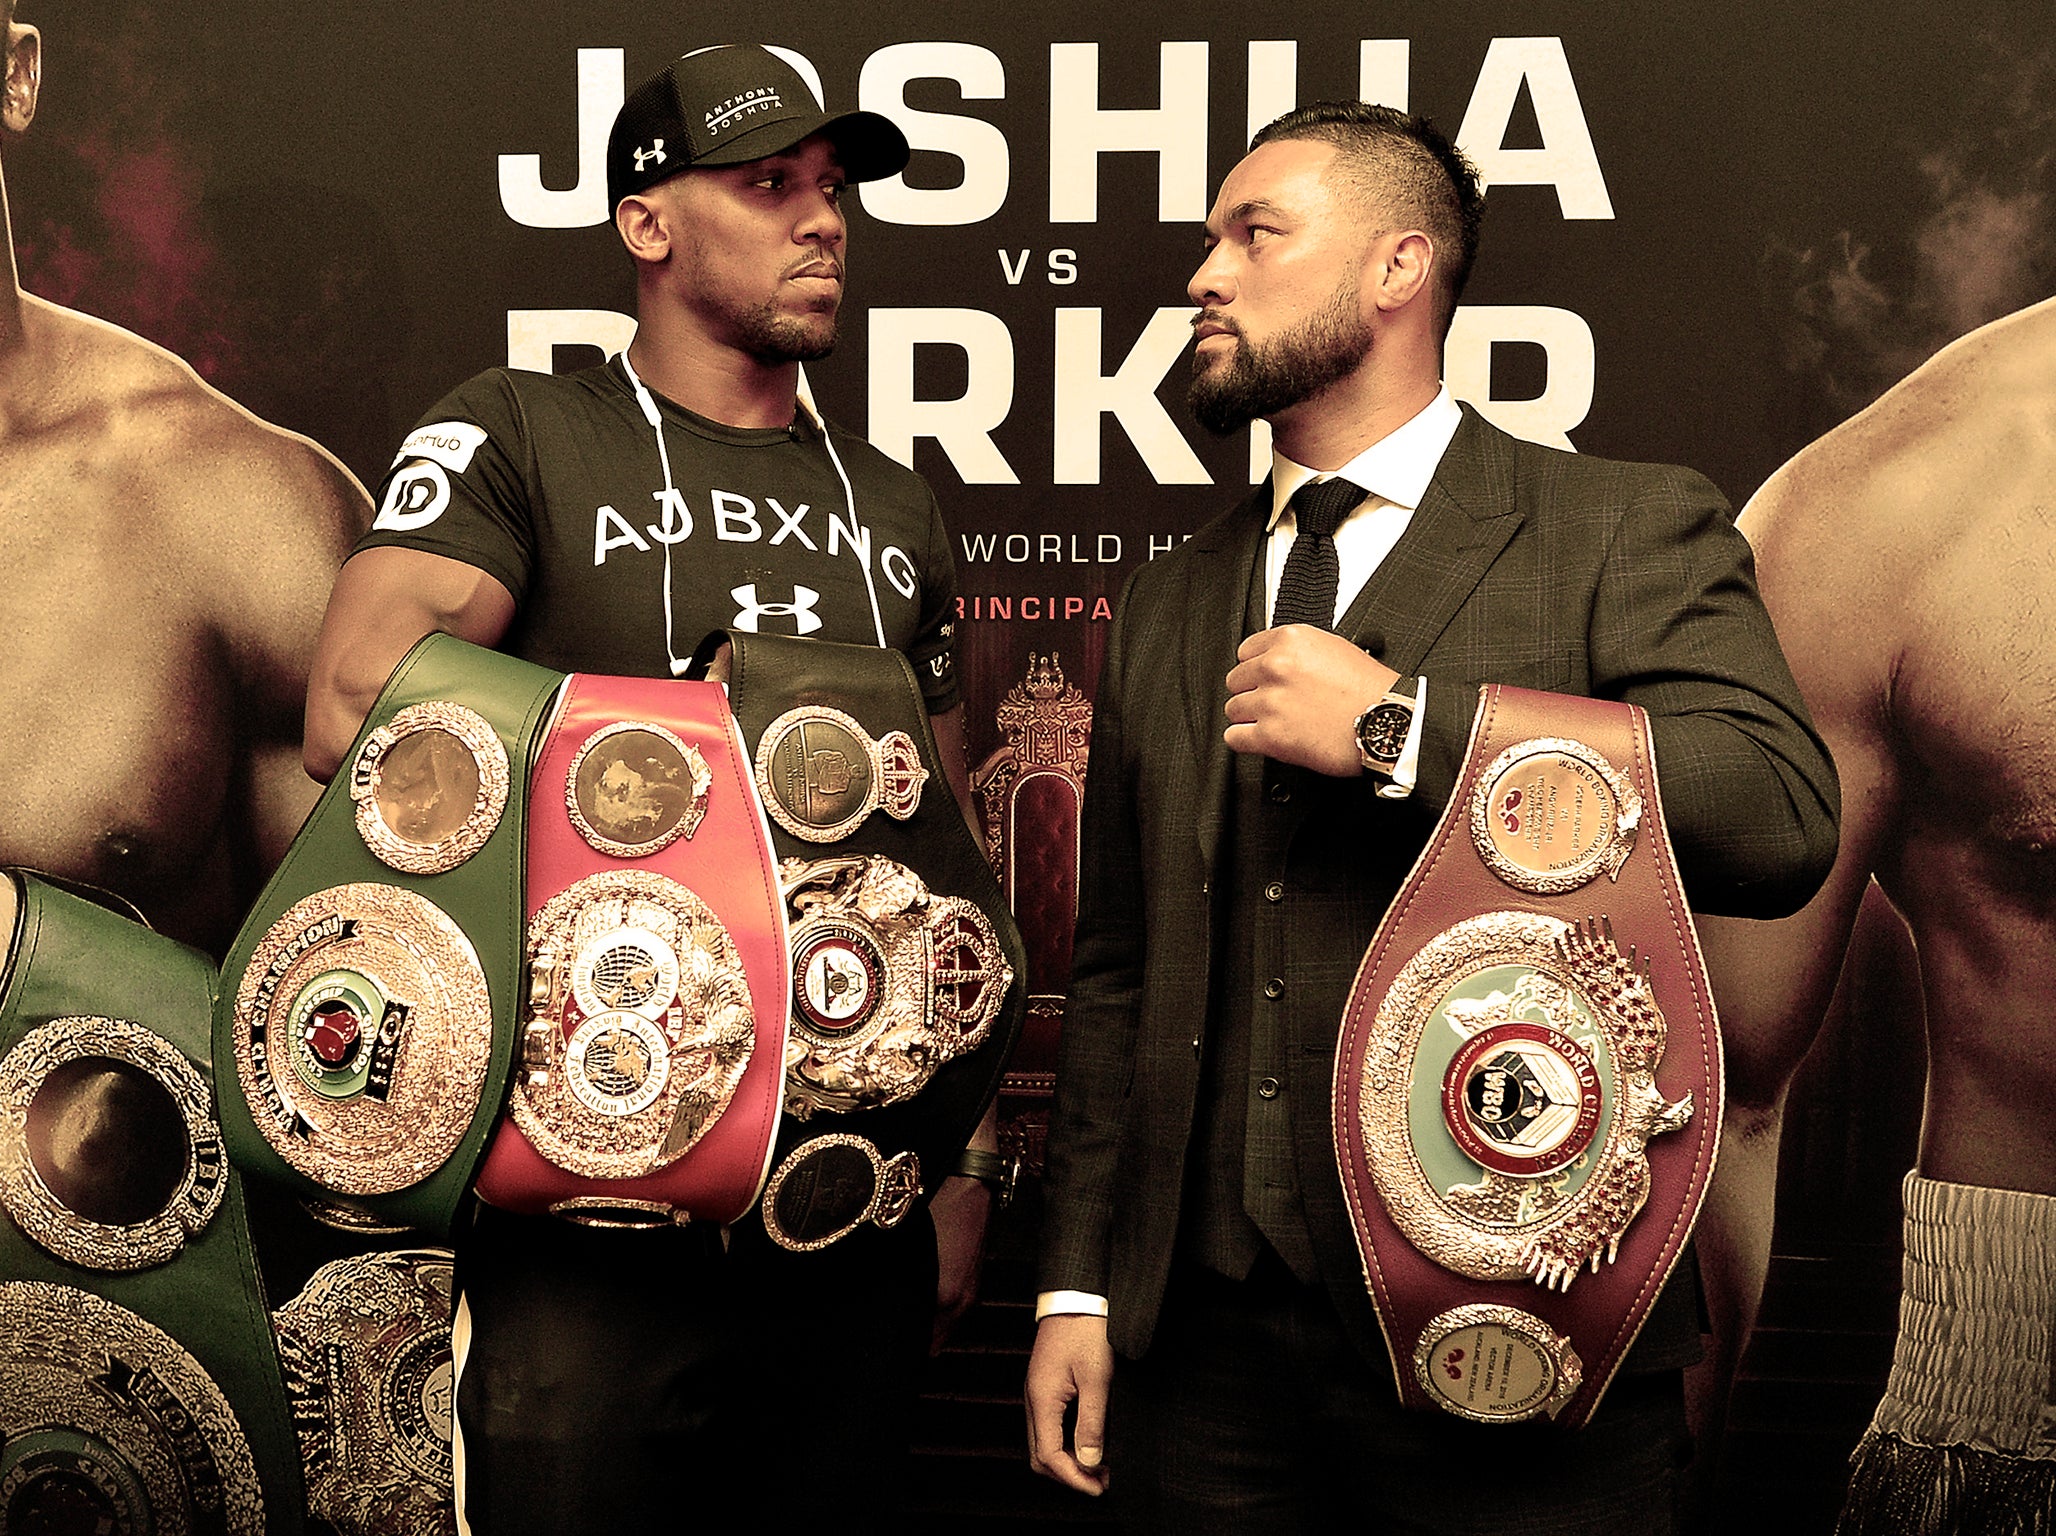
[
  {"x": 107, "y": 1416},
  {"x": 889, "y": 982},
  {"x": 1509, "y": 1095},
  {"x": 363, "y": 1031},
  {"x": 821, "y": 773},
  {"x": 110, "y": 1155},
  {"x": 1496, "y": 1365},
  {"x": 429, "y": 787},
  {"x": 634, "y": 788},
  {"x": 639, "y": 1025},
  {"x": 1549, "y": 814},
  {"x": 366, "y": 1350},
  {"x": 828, "y": 1187}
]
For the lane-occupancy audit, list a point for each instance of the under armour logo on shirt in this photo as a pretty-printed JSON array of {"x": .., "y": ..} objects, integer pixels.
[
  {"x": 800, "y": 610},
  {"x": 654, "y": 155}
]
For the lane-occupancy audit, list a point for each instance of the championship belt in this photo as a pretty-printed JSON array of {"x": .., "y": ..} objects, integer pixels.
[
  {"x": 906, "y": 965},
  {"x": 366, "y": 1350},
  {"x": 139, "y": 1383},
  {"x": 1528, "y": 1083},
  {"x": 654, "y": 1024},
  {"x": 369, "y": 1004}
]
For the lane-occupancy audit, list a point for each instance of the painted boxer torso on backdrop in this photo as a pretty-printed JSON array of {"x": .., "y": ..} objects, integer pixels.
[
  {"x": 168, "y": 556},
  {"x": 1908, "y": 558}
]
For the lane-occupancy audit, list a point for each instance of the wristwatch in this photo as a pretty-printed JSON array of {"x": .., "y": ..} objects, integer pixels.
[{"x": 1381, "y": 732}]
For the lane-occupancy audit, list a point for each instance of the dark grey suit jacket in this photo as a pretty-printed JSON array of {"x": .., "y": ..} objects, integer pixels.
[{"x": 1523, "y": 565}]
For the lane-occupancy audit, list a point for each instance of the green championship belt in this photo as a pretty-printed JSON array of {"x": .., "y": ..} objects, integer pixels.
[
  {"x": 140, "y": 1388},
  {"x": 367, "y": 1010},
  {"x": 366, "y": 1352},
  {"x": 908, "y": 972}
]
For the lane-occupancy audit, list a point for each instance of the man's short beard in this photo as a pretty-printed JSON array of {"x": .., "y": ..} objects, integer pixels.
[
  {"x": 772, "y": 337},
  {"x": 1264, "y": 378}
]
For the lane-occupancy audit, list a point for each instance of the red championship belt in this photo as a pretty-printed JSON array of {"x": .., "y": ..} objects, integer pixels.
[
  {"x": 1528, "y": 1082},
  {"x": 648, "y": 1075}
]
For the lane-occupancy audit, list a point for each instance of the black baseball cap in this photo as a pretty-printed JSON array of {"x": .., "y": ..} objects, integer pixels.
[{"x": 729, "y": 104}]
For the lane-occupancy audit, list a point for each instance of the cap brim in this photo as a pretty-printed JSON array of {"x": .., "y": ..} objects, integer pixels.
[{"x": 869, "y": 145}]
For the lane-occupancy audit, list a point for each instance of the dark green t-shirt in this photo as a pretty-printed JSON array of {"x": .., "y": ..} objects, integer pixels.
[{"x": 555, "y": 486}]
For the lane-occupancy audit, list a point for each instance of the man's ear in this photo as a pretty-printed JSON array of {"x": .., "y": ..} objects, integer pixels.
[
  {"x": 1404, "y": 269},
  {"x": 24, "y": 76},
  {"x": 645, "y": 228}
]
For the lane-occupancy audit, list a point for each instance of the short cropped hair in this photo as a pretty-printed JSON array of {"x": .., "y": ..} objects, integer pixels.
[{"x": 1405, "y": 166}]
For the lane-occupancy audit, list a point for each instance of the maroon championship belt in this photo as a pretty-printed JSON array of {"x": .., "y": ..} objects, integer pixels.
[
  {"x": 650, "y": 1063},
  {"x": 1528, "y": 1083}
]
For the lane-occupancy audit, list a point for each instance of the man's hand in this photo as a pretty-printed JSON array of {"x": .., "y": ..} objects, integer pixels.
[
  {"x": 960, "y": 1209},
  {"x": 1072, "y": 1362},
  {"x": 1294, "y": 696}
]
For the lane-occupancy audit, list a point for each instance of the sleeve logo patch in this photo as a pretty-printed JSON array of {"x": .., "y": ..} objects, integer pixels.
[
  {"x": 415, "y": 497},
  {"x": 448, "y": 443}
]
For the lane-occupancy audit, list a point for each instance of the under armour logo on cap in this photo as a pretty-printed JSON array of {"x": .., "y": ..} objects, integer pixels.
[{"x": 654, "y": 155}]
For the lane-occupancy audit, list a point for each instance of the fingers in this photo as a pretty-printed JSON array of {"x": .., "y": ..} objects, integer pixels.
[
  {"x": 1090, "y": 1435},
  {"x": 1071, "y": 1363}
]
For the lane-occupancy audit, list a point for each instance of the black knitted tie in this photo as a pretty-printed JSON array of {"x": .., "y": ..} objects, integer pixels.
[{"x": 1307, "y": 587}]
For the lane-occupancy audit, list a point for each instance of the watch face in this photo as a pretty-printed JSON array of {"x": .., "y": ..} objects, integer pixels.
[{"x": 1381, "y": 733}]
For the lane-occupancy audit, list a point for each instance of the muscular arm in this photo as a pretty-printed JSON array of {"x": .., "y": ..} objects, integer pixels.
[
  {"x": 1772, "y": 981},
  {"x": 269, "y": 516},
  {"x": 275, "y": 644},
  {"x": 961, "y": 1206},
  {"x": 384, "y": 601}
]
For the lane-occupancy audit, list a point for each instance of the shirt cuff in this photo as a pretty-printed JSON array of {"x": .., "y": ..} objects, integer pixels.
[
  {"x": 1069, "y": 1304},
  {"x": 1408, "y": 767}
]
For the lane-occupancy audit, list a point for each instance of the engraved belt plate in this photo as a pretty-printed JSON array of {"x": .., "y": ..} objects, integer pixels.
[
  {"x": 821, "y": 773},
  {"x": 828, "y": 1187},
  {"x": 889, "y": 983},
  {"x": 110, "y": 1156},
  {"x": 108, "y": 1424},
  {"x": 1549, "y": 814},
  {"x": 639, "y": 1025},
  {"x": 366, "y": 1350},
  {"x": 634, "y": 788},
  {"x": 429, "y": 787},
  {"x": 363, "y": 1031},
  {"x": 1510, "y": 1093},
  {"x": 1496, "y": 1365}
]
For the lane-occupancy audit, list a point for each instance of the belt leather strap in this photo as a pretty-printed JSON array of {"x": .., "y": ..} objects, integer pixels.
[
  {"x": 644, "y": 816},
  {"x": 1527, "y": 1092},
  {"x": 807, "y": 710},
  {"x": 154, "y": 1354},
  {"x": 368, "y": 1007}
]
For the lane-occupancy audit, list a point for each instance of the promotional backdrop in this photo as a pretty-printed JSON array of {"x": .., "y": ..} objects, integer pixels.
[{"x": 1713, "y": 232}]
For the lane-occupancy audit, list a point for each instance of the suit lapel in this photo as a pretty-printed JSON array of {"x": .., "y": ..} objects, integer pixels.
[
  {"x": 1219, "y": 594},
  {"x": 1461, "y": 525}
]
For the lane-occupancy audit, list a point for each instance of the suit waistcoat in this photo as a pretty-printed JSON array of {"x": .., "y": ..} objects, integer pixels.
[{"x": 1242, "y": 1181}]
